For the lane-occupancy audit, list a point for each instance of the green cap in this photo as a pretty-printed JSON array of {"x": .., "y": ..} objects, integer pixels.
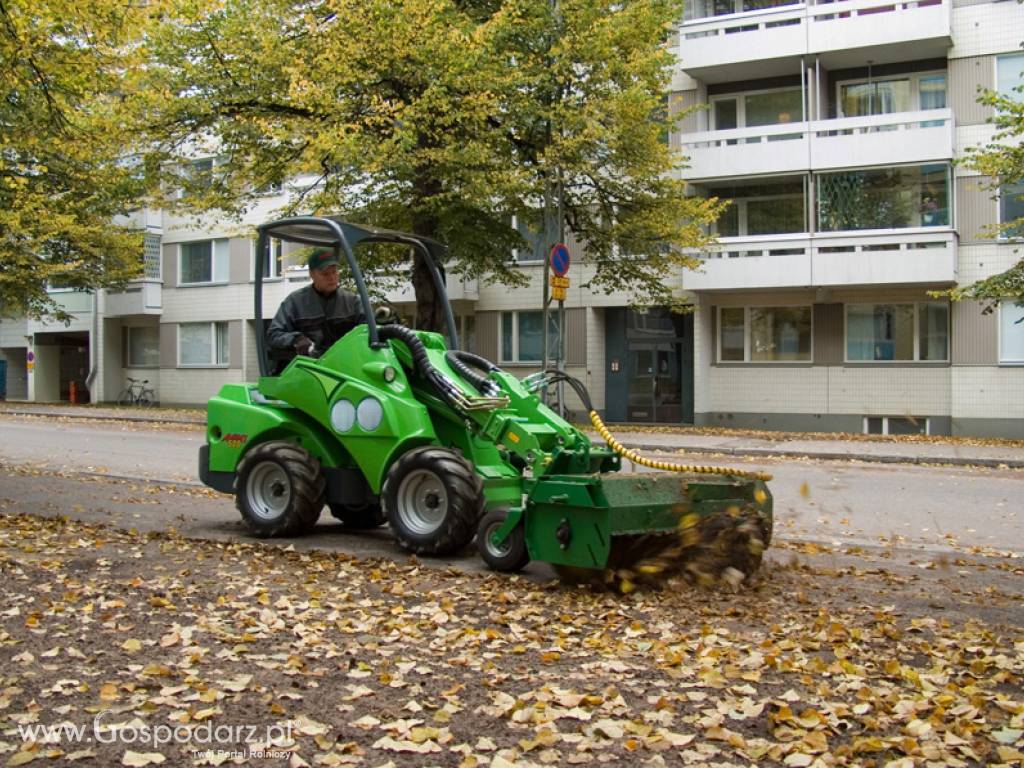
[{"x": 320, "y": 259}]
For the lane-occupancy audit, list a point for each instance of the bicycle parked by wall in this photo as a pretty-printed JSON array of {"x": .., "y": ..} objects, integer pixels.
[{"x": 137, "y": 393}]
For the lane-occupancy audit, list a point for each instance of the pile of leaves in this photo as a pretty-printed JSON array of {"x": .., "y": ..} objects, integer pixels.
[{"x": 332, "y": 660}]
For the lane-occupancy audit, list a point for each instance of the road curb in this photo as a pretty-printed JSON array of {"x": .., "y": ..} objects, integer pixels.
[{"x": 102, "y": 417}]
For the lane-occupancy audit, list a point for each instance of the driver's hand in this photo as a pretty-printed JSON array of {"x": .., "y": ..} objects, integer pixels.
[{"x": 304, "y": 346}]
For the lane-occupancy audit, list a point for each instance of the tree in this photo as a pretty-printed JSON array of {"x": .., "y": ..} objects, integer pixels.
[
  {"x": 447, "y": 117},
  {"x": 1002, "y": 161},
  {"x": 63, "y": 173}
]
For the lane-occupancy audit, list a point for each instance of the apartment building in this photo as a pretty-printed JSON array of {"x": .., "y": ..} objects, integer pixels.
[{"x": 833, "y": 127}]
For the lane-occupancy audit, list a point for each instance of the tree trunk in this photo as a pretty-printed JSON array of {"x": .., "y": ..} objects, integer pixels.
[{"x": 429, "y": 311}]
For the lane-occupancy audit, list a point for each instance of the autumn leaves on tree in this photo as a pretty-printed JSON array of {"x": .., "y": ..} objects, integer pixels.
[{"x": 447, "y": 118}]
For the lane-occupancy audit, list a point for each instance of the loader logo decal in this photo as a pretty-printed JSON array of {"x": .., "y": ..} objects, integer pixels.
[{"x": 235, "y": 440}]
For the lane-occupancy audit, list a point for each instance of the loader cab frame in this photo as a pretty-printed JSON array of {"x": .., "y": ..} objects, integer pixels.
[{"x": 343, "y": 237}]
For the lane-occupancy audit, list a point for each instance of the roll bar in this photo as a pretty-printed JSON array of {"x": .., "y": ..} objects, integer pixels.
[{"x": 342, "y": 237}]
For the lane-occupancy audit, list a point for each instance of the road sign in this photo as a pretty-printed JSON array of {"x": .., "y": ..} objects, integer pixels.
[
  {"x": 560, "y": 259},
  {"x": 559, "y": 282},
  {"x": 557, "y": 293}
]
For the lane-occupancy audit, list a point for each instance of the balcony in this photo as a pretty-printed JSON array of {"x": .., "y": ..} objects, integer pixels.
[
  {"x": 765, "y": 43},
  {"x": 892, "y": 139},
  {"x": 869, "y": 258},
  {"x": 140, "y": 297},
  {"x": 878, "y": 140}
]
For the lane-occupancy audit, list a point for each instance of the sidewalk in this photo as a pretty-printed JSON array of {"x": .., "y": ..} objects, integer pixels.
[{"x": 961, "y": 451}]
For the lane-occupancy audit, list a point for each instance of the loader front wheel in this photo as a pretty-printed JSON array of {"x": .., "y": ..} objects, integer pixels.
[
  {"x": 279, "y": 490},
  {"x": 433, "y": 499},
  {"x": 509, "y": 556}
]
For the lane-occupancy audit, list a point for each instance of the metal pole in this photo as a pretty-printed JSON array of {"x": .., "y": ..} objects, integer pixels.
[{"x": 560, "y": 364}]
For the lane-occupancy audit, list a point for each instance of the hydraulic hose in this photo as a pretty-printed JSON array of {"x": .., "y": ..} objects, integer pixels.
[
  {"x": 460, "y": 362},
  {"x": 629, "y": 453},
  {"x": 446, "y": 389}
]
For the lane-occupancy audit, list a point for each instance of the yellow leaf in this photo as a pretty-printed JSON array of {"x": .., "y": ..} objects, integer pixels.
[
  {"x": 138, "y": 759},
  {"x": 21, "y": 758},
  {"x": 805, "y": 490},
  {"x": 131, "y": 645}
]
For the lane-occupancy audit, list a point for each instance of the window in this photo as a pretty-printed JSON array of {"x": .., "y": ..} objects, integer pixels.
[
  {"x": 769, "y": 207},
  {"x": 521, "y": 336},
  {"x": 203, "y": 344},
  {"x": 1011, "y": 332},
  {"x": 884, "y": 198},
  {"x": 896, "y": 425},
  {"x": 1011, "y": 208},
  {"x": 205, "y": 261},
  {"x": 764, "y": 334},
  {"x": 897, "y": 332},
  {"x": 705, "y": 8},
  {"x": 749, "y": 110},
  {"x": 884, "y": 96},
  {"x": 1010, "y": 75},
  {"x": 532, "y": 231},
  {"x": 151, "y": 256},
  {"x": 143, "y": 347},
  {"x": 279, "y": 263}
]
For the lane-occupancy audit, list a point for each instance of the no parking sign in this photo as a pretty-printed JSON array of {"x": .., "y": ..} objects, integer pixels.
[{"x": 559, "y": 261}]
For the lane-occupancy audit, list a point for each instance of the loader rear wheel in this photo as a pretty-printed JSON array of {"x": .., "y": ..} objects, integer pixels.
[
  {"x": 359, "y": 518},
  {"x": 279, "y": 490},
  {"x": 433, "y": 499},
  {"x": 511, "y": 554}
]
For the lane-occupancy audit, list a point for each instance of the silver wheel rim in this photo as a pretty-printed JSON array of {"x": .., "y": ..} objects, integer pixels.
[
  {"x": 422, "y": 502},
  {"x": 497, "y": 550},
  {"x": 269, "y": 490}
]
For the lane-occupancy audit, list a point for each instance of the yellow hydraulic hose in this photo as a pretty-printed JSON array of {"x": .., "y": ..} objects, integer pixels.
[{"x": 633, "y": 456}]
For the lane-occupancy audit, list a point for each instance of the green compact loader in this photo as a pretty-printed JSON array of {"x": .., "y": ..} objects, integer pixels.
[{"x": 393, "y": 425}]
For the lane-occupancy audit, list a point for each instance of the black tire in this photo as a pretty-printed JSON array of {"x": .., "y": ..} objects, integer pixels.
[
  {"x": 147, "y": 399},
  {"x": 279, "y": 489},
  {"x": 359, "y": 518},
  {"x": 511, "y": 556},
  {"x": 433, "y": 500},
  {"x": 125, "y": 398}
]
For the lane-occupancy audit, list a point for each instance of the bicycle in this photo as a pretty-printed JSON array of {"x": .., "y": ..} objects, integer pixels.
[{"x": 137, "y": 393}]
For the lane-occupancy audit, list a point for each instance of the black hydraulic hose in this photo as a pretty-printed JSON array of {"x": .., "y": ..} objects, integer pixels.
[
  {"x": 457, "y": 360},
  {"x": 444, "y": 387}
]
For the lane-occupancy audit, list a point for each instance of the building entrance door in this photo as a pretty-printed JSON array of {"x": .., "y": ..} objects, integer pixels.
[{"x": 655, "y": 381}]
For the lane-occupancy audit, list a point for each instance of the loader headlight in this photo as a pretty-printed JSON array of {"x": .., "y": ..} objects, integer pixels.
[
  {"x": 343, "y": 415},
  {"x": 369, "y": 414}
]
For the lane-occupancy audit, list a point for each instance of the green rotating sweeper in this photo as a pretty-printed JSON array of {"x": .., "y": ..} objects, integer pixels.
[{"x": 399, "y": 426}]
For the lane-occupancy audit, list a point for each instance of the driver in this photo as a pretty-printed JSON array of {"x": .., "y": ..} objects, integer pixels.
[{"x": 312, "y": 318}]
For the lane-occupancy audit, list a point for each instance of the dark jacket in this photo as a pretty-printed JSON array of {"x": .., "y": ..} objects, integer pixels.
[{"x": 321, "y": 320}]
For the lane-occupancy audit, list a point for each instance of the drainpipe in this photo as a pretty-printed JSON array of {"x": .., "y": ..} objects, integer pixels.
[{"x": 93, "y": 343}]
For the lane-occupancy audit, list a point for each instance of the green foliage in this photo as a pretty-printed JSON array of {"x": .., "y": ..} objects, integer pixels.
[
  {"x": 63, "y": 178},
  {"x": 1001, "y": 161},
  {"x": 444, "y": 117}
]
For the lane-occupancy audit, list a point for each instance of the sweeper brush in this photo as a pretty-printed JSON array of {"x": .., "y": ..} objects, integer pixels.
[{"x": 398, "y": 426}]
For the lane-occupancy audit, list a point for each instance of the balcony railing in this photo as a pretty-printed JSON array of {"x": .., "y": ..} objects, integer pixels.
[
  {"x": 784, "y": 32},
  {"x": 140, "y": 297},
  {"x": 896, "y": 138},
  {"x": 874, "y": 257}
]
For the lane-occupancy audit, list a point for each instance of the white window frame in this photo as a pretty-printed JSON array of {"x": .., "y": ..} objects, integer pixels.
[
  {"x": 1003, "y": 236},
  {"x": 885, "y": 424},
  {"x": 515, "y": 313},
  {"x": 275, "y": 243},
  {"x": 741, "y": 106},
  {"x": 995, "y": 72},
  {"x": 129, "y": 363},
  {"x": 914, "y": 79},
  {"x": 1003, "y": 305},
  {"x": 215, "y": 279},
  {"x": 741, "y": 204},
  {"x": 917, "y": 334},
  {"x": 213, "y": 345},
  {"x": 746, "y": 336}
]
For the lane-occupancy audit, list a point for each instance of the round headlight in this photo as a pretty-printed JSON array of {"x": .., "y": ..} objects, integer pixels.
[
  {"x": 343, "y": 415},
  {"x": 369, "y": 414}
]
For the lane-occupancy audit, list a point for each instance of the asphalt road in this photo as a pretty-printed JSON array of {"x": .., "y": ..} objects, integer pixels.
[{"x": 903, "y": 507}]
